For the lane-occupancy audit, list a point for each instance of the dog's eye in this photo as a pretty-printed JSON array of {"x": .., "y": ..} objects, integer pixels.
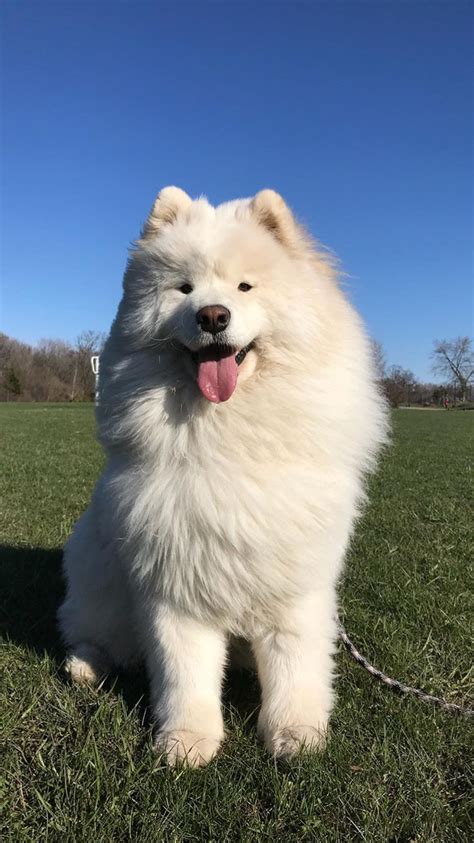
[
  {"x": 245, "y": 287},
  {"x": 186, "y": 289}
]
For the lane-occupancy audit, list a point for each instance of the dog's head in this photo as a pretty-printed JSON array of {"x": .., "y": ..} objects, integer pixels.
[{"x": 222, "y": 288}]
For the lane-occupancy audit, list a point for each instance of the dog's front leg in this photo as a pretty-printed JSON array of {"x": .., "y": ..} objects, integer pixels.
[
  {"x": 294, "y": 663},
  {"x": 186, "y": 661}
]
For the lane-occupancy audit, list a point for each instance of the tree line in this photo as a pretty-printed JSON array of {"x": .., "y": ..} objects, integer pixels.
[
  {"x": 55, "y": 370},
  {"x": 451, "y": 360}
]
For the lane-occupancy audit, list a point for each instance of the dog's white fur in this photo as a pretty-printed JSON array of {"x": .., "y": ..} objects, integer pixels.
[{"x": 214, "y": 521}]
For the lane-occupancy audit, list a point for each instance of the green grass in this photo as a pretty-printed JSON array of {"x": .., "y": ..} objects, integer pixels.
[{"x": 80, "y": 764}]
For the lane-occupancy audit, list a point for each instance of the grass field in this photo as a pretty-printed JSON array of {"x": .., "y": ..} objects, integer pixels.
[{"x": 79, "y": 763}]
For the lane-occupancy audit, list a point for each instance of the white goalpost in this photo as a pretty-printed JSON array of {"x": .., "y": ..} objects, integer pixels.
[{"x": 95, "y": 369}]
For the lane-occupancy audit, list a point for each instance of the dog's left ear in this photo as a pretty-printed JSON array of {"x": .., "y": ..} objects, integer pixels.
[
  {"x": 271, "y": 211},
  {"x": 168, "y": 204}
]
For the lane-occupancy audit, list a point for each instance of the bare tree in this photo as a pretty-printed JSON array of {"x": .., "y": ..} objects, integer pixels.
[
  {"x": 378, "y": 356},
  {"x": 454, "y": 360},
  {"x": 399, "y": 385},
  {"x": 54, "y": 363}
]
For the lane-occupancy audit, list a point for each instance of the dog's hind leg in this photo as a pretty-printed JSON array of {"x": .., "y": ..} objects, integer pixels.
[
  {"x": 87, "y": 665},
  {"x": 96, "y": 618}
]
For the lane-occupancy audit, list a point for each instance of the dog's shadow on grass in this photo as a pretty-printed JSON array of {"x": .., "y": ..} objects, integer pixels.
[{"x": 31, "y": 591}]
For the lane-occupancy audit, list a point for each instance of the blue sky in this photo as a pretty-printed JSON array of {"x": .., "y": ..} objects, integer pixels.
[{"x": 358, "y": 113}]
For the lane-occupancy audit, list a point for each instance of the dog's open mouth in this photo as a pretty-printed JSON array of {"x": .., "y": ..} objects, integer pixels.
[{"x": 217, "y": 370}]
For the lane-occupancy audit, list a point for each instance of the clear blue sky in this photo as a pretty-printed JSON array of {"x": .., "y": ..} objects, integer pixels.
[{"x": 358, "y": 113}]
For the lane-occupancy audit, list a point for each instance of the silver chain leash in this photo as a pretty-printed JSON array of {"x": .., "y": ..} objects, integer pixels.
[{"x": 399, "y": 687}]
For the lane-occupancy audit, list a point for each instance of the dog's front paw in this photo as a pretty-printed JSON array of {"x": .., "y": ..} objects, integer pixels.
[
  {"x": 193, "y": 749},
  {"x": 287, "y": 735},
  {"x": 289, "y": 740}
]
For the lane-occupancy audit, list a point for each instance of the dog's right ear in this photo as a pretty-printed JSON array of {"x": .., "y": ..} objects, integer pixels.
[{"x": 168, "y": 204}]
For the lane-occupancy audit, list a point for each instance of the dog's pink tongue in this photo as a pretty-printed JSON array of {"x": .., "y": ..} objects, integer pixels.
[{"x": 217, "y": 379}]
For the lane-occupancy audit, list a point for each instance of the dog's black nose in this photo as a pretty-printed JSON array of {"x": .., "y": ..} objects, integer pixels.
[{"x": 213, "y": 318}]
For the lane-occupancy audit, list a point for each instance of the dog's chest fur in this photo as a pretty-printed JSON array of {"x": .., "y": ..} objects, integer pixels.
[{"x": 220, "y": 517}]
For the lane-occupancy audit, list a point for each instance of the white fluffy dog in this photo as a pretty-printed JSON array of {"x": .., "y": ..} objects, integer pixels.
[{"x": 239, "y": 414}]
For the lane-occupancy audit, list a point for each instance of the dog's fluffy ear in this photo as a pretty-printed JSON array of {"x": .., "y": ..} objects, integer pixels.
[
  {"x": 271, "y": 211},
  {"x": 168, "y": 204}
]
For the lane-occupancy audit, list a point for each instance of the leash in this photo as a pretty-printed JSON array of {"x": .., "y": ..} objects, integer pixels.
[{"x": 399, "y": 687}]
